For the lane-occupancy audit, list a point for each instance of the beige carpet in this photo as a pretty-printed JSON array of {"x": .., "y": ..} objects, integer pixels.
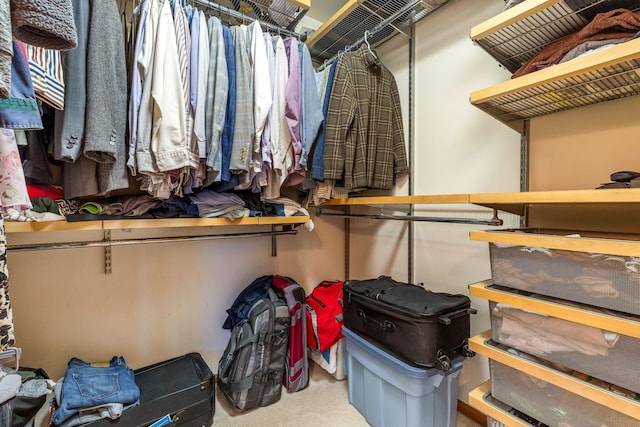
[{"x": 324, "y": 403}]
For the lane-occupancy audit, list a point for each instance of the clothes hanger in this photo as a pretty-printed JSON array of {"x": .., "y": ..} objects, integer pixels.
[{"x": 366, "y": 40}]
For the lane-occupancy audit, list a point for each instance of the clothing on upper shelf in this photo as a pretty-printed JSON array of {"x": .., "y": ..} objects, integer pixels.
[{"x": 615, "y": 24}]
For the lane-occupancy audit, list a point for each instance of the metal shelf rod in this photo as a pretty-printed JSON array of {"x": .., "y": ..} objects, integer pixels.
[{"x": 495, "y": 221}]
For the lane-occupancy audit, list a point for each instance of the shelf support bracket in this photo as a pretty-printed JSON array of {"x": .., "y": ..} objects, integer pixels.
[{"x": 107, "y": 252}]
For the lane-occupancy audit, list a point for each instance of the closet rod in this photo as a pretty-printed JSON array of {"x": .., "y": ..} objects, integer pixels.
[
  {"x": 123, "y": 242},
  {"x": 386, "y": 22},
  {"x": 235, "y": 14},
  {"x": 495, "y": 221}
]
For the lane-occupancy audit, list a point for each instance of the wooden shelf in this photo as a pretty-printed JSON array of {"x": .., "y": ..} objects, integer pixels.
[
  {"x": 601, "y": 76},
  {"x": 479, "y": 399},
  {"x": 516, "y": 202},
  {"x": 517, "y": 34},
  {"x": 629, "y": 326},
  {"x": 567, "y": 382},
  {"x": 601, "y": 243},
  {"x": 117, "y": 224}
]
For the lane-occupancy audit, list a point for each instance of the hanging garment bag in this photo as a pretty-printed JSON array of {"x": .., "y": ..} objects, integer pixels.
[{"x": 425, "y": 328}]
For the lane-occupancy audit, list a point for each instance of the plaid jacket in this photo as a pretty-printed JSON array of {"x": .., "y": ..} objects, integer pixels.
[{"x": 364, "y": 136}]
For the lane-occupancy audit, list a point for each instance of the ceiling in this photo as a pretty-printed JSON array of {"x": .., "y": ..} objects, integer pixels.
[{"x": 322, "y": 10}]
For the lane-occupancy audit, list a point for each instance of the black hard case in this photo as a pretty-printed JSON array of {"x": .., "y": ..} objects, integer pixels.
[
  {"x": 182, "y": 388},
  {"x": 427, "y": 329}
]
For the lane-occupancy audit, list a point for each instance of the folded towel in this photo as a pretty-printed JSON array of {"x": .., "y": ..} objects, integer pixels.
[{"x": 47, "y": 24}]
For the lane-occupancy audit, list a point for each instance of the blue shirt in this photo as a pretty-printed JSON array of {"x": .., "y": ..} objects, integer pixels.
[
  {"x": 230, "y": 118},
  {"x": 317, "y": 171}
]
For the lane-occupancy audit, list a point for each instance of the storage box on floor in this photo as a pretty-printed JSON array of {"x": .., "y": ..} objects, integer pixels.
[
  {"x": 331, "y": 360},
  {"x": 602, "y": 280},
  {"x": 391, "y": 393}
]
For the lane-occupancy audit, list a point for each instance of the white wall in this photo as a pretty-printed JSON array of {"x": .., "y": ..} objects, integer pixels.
[{"x": 162, "y": 300}]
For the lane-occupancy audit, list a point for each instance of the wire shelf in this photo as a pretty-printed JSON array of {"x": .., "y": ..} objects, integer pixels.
[
  {"x": 279, "y": 13},
  {"x": 382, "y": 18},
  {"x": 514, "y": 44}
]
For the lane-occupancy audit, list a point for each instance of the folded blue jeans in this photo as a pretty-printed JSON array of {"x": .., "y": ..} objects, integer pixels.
[{"x": 86, "y": 386}]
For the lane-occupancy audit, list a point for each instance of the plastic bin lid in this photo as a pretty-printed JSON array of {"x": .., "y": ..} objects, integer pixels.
[{"x": 405, "y": 368}]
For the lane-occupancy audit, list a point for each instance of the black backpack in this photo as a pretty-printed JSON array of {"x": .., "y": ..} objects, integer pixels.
[{"x": 250, "y": 372}]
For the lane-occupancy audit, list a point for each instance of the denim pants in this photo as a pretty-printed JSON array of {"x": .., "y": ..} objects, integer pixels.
[{"x": 85, "y": 386}]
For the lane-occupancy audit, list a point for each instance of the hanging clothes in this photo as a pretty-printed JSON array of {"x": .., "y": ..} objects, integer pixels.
[
  {"x": 47, "y": 24},
  {"x": 228, "y": 134},
  {"x": 6, "y": 49},
  {"x": 14, "y": 197},
  {"x": 70, "y": 123},
  {"x": 311, "y": 109},
  {"x": 281, "y": 150},
  {"x": 199, "y": 82},
  {"x": 7, "y": 336},
  {"x": 106, "y": 114},
  {"x": 47, "y": 75},
  {"x": 261, "y": 100},
  {"x": 183, "y": 43},
  {"x": 244, "y": 128},
  {"x": 20, "y": 110},
  {"x": 135, "y": 93},
  {"x": 216, "y": 99},
  {"x": 295, "y": 174},
  {"x": 317, "y": 168},
  {"x": 364, "y": 142},
  {"x": 261, "y": 178}
]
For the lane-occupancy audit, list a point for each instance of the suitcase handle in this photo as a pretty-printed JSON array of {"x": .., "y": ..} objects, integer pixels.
[
  {"x": 447, "y": 318},
  {"x": 386, "y": 326}
]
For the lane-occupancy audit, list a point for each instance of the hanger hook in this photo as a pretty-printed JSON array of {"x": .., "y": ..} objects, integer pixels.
[{"x": 366, "y": 40}]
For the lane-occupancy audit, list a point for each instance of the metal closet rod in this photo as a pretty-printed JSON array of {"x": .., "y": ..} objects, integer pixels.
[
  {"x": 235, "y": 14},
  {"x": 495, "y": 221},
  {"x": 124, "y": 242}
]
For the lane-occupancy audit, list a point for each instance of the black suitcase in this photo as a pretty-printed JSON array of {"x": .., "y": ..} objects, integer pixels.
[
  {"x": 424, "y": 328},
  {"x": 181, "y": 389}
]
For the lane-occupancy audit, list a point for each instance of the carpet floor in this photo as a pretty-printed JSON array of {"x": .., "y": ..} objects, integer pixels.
[{"x": 324, "y": 403}]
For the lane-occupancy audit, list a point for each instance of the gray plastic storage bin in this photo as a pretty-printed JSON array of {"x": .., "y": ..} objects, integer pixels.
[
  {"x": 550, "y": 404},
  {"x": 391, "y": 393},
  {"x": 583, "y": 348},
  {"x": 601, "y": 280}
]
